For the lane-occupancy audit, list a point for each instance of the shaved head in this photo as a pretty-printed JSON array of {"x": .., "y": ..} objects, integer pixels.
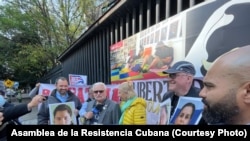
[
  {"x": 226, "y": 91},
  {"x": 235, "y": 63}
]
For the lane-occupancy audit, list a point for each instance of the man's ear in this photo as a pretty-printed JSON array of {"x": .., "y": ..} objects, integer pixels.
[
  {"x": 191, "y": 78},
  {"x": 246, "y": 88}
]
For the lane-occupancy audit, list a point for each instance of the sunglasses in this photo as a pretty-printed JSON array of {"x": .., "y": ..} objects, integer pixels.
[
  {"x": 174, "y": 75},
  {"x": 100, "y": 91}
]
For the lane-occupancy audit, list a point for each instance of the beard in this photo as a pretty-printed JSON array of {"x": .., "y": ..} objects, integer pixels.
[
  {"x": 62, "y": 91},
  {"x": 223, "y": 111}
]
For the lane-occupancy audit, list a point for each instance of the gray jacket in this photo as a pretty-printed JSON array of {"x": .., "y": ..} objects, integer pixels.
[
  {"x": 43, "y": 113},
  {"x": 110, "y": 114}
]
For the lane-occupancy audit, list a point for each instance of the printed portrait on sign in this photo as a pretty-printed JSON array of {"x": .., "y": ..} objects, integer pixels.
[
  {"x": 62, "y": 114},
  {"x": 188, "y": 111},
  {"x": 165, "y": 112}
]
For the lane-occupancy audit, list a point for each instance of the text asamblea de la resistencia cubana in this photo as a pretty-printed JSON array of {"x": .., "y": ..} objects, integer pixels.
[{"x": 137, "y": 132}]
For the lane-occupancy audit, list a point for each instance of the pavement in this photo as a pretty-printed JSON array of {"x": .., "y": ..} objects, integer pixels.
[{"x": 30, "y": 118}]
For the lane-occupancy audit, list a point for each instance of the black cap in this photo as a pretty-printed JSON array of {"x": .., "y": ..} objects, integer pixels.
[{"x": 181, "y": 66}]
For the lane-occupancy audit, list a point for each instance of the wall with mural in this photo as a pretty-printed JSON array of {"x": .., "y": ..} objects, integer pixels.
[{"x": 199, "y": 35}]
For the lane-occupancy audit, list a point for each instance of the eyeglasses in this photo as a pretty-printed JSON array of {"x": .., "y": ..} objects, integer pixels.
[
  {"x": 100, "y": 91},
  {"x": 174, "y": 75}
]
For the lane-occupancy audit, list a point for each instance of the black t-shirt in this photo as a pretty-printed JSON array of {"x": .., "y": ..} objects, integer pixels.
[{"x": 193, "y": 92}]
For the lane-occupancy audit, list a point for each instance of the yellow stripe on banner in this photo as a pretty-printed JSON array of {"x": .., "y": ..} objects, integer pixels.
[
  {"x": 125, "y": 70},
  {"x": 136, "y": 77},
  {"x": 161, "y": 74},
  {"x": 115, "y": 78}
]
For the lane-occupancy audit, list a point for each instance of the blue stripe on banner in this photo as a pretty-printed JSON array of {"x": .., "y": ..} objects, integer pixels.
[
  {"x": 124, "y": 75},
  {"x": 115, "y": 72}
]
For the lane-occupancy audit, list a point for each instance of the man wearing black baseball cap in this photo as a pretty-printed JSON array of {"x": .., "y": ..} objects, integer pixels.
[
  {"x": 181, "y": 66},
  {"x": 180, "y": 83}
]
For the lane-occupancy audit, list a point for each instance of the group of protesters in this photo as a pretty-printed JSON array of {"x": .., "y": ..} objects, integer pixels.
[{"x": 225, "y": 94}]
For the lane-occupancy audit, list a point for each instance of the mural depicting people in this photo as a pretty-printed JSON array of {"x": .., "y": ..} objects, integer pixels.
[
  {"x": 134, "y": 61},
  {"x": 160, "y": 59}
]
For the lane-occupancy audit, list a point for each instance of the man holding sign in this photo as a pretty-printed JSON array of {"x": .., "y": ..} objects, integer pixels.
[{"x": 59, "y": 95}]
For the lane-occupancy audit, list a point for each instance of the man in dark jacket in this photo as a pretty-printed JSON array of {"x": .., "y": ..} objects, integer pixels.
[
  {"x": 13, "y": 112},
  {"x": 181, "y": 83},
  {"x": 59, "y": 95},
  {"x": 102, "y": 110}
]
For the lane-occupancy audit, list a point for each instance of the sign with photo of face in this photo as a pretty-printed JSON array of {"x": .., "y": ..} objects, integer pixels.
[
  {"x": 165, "y": 112},
  {"x": 188, "y": 111},
  {"x": 62, "y": 113}
]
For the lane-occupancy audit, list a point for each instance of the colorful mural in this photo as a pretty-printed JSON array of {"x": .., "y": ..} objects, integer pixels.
[{"x": 199, "y": 35}]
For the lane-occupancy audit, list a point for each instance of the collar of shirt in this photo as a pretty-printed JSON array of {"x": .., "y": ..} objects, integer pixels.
[{"x": 62, "y": 98}]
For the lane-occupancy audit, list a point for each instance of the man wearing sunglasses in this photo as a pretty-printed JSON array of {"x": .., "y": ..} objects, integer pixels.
[
  {"x": 102, "y": 110},
  {"x": 180, "y": 83}
]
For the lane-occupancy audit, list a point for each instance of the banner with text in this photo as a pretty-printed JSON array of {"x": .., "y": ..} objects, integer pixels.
[{"x": 151, "y": 90}]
